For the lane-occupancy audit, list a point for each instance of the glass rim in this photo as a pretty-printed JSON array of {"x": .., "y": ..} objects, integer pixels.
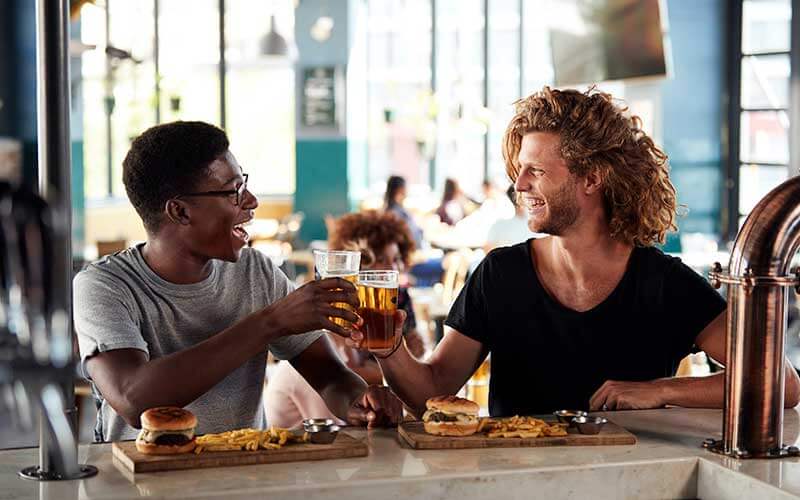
[
  {"x": 373, "y": 273},
  {"x": 336, "y": 252}
]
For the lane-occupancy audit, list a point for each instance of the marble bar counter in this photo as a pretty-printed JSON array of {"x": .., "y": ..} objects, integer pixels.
[{"x": 667, "y": 462}]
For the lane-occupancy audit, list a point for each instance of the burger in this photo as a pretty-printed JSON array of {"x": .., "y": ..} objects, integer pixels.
[
  {"x": 450, "y": 416},
  {"x": 166, "y": 430}
]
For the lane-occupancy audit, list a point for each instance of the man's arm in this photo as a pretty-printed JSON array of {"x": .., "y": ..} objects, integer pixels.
[
  {"x": 451, "y": 364},
  {"x": 344, "y": 392},
  {"x": 131, "y": 384},
  {"x": 688, "y": 392}
]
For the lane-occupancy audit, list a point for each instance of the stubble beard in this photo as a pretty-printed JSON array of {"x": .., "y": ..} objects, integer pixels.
[{"x": 562, "y": 209}]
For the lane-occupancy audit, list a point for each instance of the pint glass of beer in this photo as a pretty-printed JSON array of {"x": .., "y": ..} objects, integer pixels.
[
  {"x": 377, "y": 297},
  {"x": 337, "y": 264}
]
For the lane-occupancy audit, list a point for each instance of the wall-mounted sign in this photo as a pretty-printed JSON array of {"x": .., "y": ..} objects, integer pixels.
[{"x": 319, "y": 97}]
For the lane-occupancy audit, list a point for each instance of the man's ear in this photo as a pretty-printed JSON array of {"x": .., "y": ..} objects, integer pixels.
[
  {"x": 177, "y": 211},
  {"x": 593, "y": 182}
]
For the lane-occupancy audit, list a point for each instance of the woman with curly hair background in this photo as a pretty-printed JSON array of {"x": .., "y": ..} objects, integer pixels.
[
  {"x": 385, "y": 243},
  {"x": 592, "y": 316}
]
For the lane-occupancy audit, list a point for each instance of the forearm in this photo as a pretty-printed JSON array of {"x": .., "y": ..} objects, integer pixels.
[
  {"x": 181, "y": 377},
  {"x": 709, "y": 392},
  {"x": 412, "y": 380},
  {"x": 345, "y": 387},
  {"x": 693, "y": 392}
]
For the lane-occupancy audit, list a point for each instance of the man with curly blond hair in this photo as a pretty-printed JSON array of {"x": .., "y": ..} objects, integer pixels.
[{"x": 593, "y": 316}]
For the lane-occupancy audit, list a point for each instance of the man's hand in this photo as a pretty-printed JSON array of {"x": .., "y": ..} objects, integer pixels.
[
  {"x": 377, "y": 407},
  {"x": 619, "y": 395},
  {"x": 356, "y": 339},
  {"x": 311, "y": 306}
]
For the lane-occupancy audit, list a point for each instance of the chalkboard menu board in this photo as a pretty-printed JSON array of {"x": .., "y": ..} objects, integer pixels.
[{"x": 319, "y": 97}]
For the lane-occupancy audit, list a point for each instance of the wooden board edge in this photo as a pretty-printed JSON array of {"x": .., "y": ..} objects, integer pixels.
[
  {"x": 119, "y": 454},
  {"x": 625, "y": 438},
  {"x": 358, "y": 448}
]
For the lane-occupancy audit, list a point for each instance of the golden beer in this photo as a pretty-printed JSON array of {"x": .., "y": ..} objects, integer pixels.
[
  {"x": 377, "y": 297},
  {"x": 338, "y": 264},
  {"x": 352, "y": 278}
]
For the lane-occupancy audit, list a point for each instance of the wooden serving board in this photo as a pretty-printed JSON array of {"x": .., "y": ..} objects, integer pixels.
[
  {"x": 345, "y": 446},
  {"x": 414, "y": 434}
]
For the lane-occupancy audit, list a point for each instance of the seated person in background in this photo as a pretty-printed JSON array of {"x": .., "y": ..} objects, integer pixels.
[
  {"x": 595, "y": 302},
  {"x": 385, "y": 243},
  {"x": 393, "y": 202},
  {"x": 453, "y": 206},
  {"x": 186, "y": 318},
  {"x": 505, "y": 232}
]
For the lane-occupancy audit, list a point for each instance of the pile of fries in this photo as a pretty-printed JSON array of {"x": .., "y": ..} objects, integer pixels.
[
  {"x": 248, "y": 439},
  {"x": 521, "y": 427}
]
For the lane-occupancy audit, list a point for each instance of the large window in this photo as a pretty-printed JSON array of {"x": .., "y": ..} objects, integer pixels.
[
  {"x": 443, "y": 77},
  {"x": 763, "y": 103},
  {"x": 148, "y": 69}
]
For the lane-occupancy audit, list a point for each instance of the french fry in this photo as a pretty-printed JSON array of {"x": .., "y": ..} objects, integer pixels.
[{"x": 248, "y": 439}]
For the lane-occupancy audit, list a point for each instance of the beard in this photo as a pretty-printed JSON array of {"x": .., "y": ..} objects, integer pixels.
[{"x": 562, "y": 211}]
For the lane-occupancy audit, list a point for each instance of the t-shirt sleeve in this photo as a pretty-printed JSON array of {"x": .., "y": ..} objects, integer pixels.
[
  {"x": 289, "y": 346},
  {"x": 105, "y": 317},
  {"x": 468, "y": 314},
  {"x": 691, "y": 303}
]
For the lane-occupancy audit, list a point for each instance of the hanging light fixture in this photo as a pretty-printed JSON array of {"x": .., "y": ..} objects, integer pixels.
[{"x": 273, "y": 44}]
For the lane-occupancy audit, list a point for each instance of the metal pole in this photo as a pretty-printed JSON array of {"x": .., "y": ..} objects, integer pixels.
[
  {"x": 52, "y": 73},
  {"x": 156, "y": 53},
  {"x": 731, "y": 127},
  {"x": 432, "y": 167},
  {"x": 222, "y": 68},
  {"x": 486, "y": 85}
]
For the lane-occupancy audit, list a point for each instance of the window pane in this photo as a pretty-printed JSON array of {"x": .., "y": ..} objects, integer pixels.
[
  {"x": 132, "y": 79},
  {"x": 504, "y": 26},
  {"x": 260, "y": 96},
  {"x": 401, "y": 108},
  {"x": 189, "y": 60},
  {"x": 93, "y": 70},
  {"x": 764, "y": 137},
  {"x": 765, "y": 25},
  {"x": 462, "y": 118},
  {"x": 538, "y": 66},
  {"x": 756, "y": 181},
  {"x": 765, "y": 81}
]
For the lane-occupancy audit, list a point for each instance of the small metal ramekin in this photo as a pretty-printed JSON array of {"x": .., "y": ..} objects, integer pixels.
[
  {"x": 568, "y": 416},
  {"x": 590, "y": 425}
]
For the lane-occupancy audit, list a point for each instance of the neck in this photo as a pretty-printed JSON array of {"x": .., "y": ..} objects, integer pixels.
[
  {"x": 584, "y": 251},
  {"x": 174, "y": 262}
]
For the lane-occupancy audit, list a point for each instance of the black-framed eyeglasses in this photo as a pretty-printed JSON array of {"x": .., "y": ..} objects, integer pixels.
[{"x": 238, "y": 192}]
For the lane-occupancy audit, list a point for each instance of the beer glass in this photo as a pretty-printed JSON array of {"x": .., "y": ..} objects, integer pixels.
[
  {"x": 377, "y": 297},
  {"x": 337, "y": 264}
]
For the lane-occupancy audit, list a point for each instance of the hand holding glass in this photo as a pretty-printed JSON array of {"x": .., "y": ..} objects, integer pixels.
[
  {"x": 338, "y": 264},
  {"x": 377, "y": 296}
]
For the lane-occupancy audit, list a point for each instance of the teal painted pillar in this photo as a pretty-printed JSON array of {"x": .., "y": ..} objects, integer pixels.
[{"x": 325, "y": 156}]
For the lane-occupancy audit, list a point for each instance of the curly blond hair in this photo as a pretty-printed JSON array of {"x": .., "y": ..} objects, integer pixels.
[{"x": 596, "y": 134}]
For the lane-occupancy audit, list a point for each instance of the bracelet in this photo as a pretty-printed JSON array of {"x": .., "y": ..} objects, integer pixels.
[{"x": 402, "y": 339}]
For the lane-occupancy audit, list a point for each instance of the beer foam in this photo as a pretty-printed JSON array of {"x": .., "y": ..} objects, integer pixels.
[{"x": 378, "y": 284}]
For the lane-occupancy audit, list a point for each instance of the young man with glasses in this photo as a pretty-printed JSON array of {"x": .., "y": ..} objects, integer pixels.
[{"x": 186, "y": 318}]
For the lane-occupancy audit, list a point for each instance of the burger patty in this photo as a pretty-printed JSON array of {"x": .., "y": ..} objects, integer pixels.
[
  {"x": 172, "y": 439},
  {"x": 441, "y": 417}
]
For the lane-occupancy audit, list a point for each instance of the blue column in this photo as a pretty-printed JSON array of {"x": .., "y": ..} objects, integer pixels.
[{"x": 322, "y": 152}]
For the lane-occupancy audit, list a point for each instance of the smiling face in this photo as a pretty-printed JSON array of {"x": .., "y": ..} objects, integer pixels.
[
  {"x": 547, "y": 189},
  {"x": 213, "y": 227}
]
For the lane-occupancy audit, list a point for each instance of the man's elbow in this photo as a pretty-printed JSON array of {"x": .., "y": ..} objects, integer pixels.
[{"x": 129, "y": 409}]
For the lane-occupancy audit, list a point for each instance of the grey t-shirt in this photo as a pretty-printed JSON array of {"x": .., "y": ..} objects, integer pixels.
[{"x": 120, "y": 303}]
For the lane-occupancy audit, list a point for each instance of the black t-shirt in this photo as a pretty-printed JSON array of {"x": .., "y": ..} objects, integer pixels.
[{"x": 547, "y": 357}]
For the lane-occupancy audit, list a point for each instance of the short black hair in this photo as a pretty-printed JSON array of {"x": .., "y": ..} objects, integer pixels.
[{"x": 166, "y": 161}]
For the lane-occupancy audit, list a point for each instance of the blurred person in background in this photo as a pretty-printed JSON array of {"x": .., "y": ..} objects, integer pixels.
[
  {"x": 453, "y": 207},
  {"x": 385, "y": 244},
  {"x": 509, "y": 231},
  {"x": 393, "y": 202}
]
